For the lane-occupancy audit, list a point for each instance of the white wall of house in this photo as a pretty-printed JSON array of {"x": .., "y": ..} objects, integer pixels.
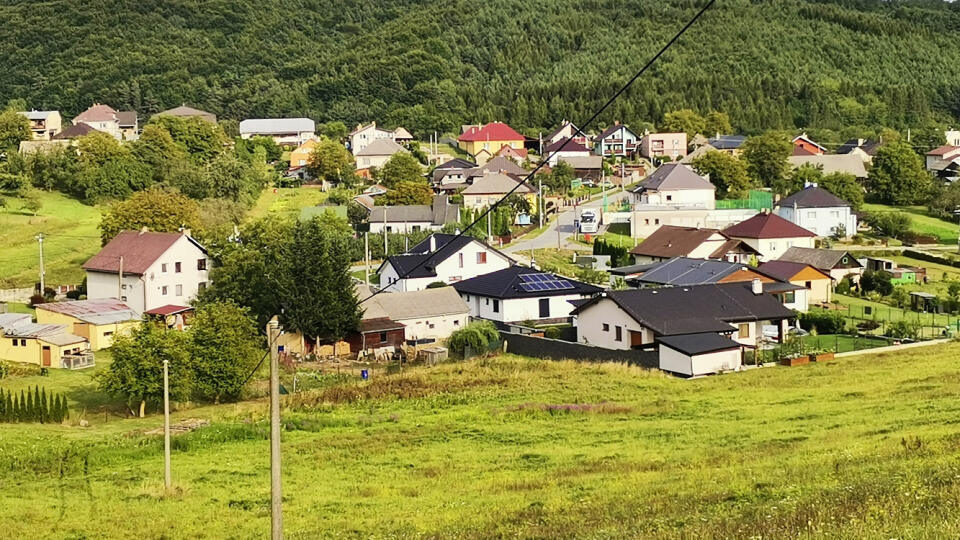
[
  {"x": 821, "y": 221},
  {"x": 439, "y": 327},
  {"x": 296, "y": 138},
  {"x": 597, "y": 325},
  {"x": 696, "y": 198},
  {"x": 772, "y": 248},
  {"x": 365, "y": 162},
  {"x": 518, "y": 309},
  {"x": 161, "y": 284},
  {"x": 701, "y": 364},
  {"x": 567, "y": 154},
  {"x": 644, "y": 221},
  {"x": 376, "y": 227},
  {"x": 464, "y": 264}
]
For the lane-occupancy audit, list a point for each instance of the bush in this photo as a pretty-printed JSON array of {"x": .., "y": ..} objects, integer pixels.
[
  {"x": 436, "y": 285},
  {"x": 844, "y": 286},
  {"x": 892, "y": 224},
  {"x": 73, "y": 295},
  {"x": 824, "y": 322},
  {"x": 476, "y": 335},
  {"x": 878, "y": 281},
  {"x": 903, "y": 330},
  {"x": 37, "y": 299}
]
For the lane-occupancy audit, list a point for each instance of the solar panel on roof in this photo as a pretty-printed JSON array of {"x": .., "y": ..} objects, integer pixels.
[{"x": 543, "y": 282}]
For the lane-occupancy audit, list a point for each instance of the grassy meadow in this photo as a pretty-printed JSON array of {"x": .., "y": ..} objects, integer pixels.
[
  {"x": 862, "y": 447},
  {"x": 921, "y": 221}
]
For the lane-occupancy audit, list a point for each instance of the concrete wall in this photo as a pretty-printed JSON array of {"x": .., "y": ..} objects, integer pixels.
[
  {"x": 17, "y": 295},
  {"x": 564, "y": 350},
  {"x": 648, "y": 219},
  {"x": 699, "y": 198}
]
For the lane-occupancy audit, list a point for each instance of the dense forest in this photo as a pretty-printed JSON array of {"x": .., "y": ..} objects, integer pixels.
[{"x": 434, "y": 64}]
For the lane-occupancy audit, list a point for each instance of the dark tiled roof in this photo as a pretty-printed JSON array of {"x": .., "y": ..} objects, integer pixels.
[
  {"x": 693, "y": 344},
  {"x": 766, "y": 226},
  {"x": 379, "y": 325},
  {"x": 138, "y": 249},
  {"x": 821, "y": 259},
  {"x": 446, "y": 245},
  {"x": 727, "y": 142},
  {"x": 612, "y": 129},
  {"x": 696, "y": 309},
  {"x": 74, "y": 131},
  {"x": 674, "y": 176},
  {"x": 565, "y": 144},
  {"x": 506, "y": 284},
  {"x": 456, "y": 163},
  {"x": 813, "y": 197},
  {"x": 672, "y": 241},
  {"x": 868, "y": 146}
]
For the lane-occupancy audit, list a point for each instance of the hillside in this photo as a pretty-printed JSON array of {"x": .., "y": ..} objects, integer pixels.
[
  {"x": 512, "y": 447},
  {"x": 434, "y": 64}
]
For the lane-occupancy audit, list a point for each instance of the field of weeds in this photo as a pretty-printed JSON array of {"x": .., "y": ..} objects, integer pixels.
[{"x": 866, "y": 447}]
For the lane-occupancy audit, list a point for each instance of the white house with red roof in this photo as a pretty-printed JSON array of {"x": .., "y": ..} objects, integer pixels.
[
  {"x": 148, "y": 270},
  {"x": 770, "y": 235},
  {"x": 941, "y": 154},
  {"x": 120, "y": 124},
  {"x": 490, "y": 137}
]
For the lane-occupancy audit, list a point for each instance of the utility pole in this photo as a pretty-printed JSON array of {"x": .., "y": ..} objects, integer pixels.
[
  {"x": 366, "y": 257},
  {"x": 120, "y": 281},
  {"x": 43, "y": 273},
  {"x": 276, "y": 496},
  {"x": 489, "y": 227},
  {"x": 166, "y": 425},
  {"x": 540, "y": 200},
  {"x": 386, "y": 248}
]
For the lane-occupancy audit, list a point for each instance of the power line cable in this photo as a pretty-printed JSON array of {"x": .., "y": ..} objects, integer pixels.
[{"x": 543, "y": 161}]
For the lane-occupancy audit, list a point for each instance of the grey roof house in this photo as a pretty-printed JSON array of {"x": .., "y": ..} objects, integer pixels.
[{"x": 411, "y": 218}]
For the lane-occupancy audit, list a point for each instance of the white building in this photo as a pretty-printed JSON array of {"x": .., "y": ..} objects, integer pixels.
[
  {"x": 519, "y": 293},
  {"x": 428, "y": 315},
  {"x": 376, "y": 153},
  {"x": 445, "y": 258},
  {"x": 148, "y": 270},
  {"x": 362, "y": 136},
  {"x": 818, "y": 211},
  {"x": 287, "y": 131},
  {"x": 770, "y": 235},
  {"x": 120, "y": 124},
  {"x": 675, "y": 184},
  {"x": 566, "y": 148},
  {"x": 699, "y": 354},
  {"x": 414, "y": 218}
]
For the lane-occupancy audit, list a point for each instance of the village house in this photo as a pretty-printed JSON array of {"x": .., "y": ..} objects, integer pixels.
[
  {"x": 699, "y": 354},
  {"x": 44, "y": 124},
  {"x": 585, "y": 167},
  {"x": 952, "y": 137},
  {"x": 189, "y": 112},
  {"x": 300, "y": 156},
  {"x": 122, "y": 125},
  {"x": 669, "y": 146},
  {"x": 73, "y": 132},
  {"x": 819, "y": 211},
  {"x": 831, "y": 163},
  {"x": 565, "y": 148},
  {"x": 428, "y": 316},
  {"x": 641, "y": 318},
  {"x": 944, "y": 161},
  {"x": 414, "y": 218},
  {"x": 98, "y": 321},
  {"x": 518, "y": 155},
  {"x": 146, "y": 270},
  {"x": 377, "y": 152},
  {"x": 727, "y": 144},
  {"x": 443, "y": 258},
  {"x": 518, "y": 293},
  {"x": 567, "y": 130},
  {"x": 616, "y": 140},
  {"x": 489, "y": 137},
  {"x": 817, "y": 282},
  {"x": 837, "y": 263},
  {"x": 804, "y": 146},
  {"x": 899, "y": 275},
  {"x": 669, "y": 241},
  {"x": 491, "y": 187},
  {"x": 283, "y": 131},
  {"x": 864, "y": 149},
  {"x": 674, "y": 184},
  {"x": 451, "y": 173},
  {"x": 770, "y": 235},
  {"x": 44, "y": 345},
  {"x": 363, "y": 135}
]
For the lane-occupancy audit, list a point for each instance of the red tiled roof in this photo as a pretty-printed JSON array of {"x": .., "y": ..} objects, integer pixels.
[
  {"x": 169, "y": 309},
  {"x": 138, "y": 249},
  {"x": 97, "y": 113},
  {"x": 506, "y": 150},
  {"x": 943, "y": 150},
  {"x": 766, "y": 226},
  {"x": 494, "y": 131}
]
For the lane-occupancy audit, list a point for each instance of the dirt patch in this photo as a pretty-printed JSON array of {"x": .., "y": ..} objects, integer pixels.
[{"x": 183, "y": 426}]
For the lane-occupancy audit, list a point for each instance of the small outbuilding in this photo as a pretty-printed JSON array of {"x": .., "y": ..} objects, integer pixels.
[{"x": 699, "y": 354}]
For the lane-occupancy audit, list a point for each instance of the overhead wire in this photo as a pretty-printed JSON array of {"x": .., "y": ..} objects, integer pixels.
[{"x": 543, "y": 161}]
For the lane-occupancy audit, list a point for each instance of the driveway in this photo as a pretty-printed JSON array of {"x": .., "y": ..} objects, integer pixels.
[{"x": 560, "y": 231}]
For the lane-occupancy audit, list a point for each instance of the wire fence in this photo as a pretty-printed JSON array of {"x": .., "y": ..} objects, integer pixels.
[
  {"x": 812, "y": 345},
  {"x": 756, "y": 200},
  {"x": 879, "y": 319}
]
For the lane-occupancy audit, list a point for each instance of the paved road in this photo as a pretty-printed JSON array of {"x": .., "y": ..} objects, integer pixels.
[{"x": 560, "y": 231}]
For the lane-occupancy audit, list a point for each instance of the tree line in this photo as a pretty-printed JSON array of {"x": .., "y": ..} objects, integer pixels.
[{"x": 34, "y": 406}]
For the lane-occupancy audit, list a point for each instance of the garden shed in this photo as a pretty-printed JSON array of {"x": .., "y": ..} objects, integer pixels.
[{"x": 699, "y": 354}]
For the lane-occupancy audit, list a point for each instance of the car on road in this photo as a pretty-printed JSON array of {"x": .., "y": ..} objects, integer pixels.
[{"x": 589, "y": 222}]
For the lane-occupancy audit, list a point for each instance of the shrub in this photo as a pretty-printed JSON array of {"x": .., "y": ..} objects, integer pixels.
[
  {"x": 37, "y": 299},
  {"x": 436, "y": 285},
  {"x": 844, "y": 286},
  {"x": 903, "y": 330},
  {"x": 476, "y": 335},
  {"x": 824, "y": 322},
  {"x": 73, "y": 295}
]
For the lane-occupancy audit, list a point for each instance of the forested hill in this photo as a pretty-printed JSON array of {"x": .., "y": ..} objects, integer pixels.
[{"x": 434, "y": 64}]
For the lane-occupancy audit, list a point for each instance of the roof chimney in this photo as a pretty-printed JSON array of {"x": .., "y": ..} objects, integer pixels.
[
  {"x": 756, "y": 286},
  {"x": 433, "y": 243}
]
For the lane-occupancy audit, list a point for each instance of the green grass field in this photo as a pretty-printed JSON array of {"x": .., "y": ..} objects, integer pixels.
[
  {"x": 855, "y": 448},
  {"x": 71, "y": 236},
  {"x": 286, "y": 201},
  {"x": 922, "y": 222}
]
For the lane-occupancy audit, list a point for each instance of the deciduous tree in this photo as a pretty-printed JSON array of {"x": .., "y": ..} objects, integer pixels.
[
  {"x": 897, "y": 176},
  {"x": 766, "y": 157},
  {"x": 224, "y": 346},
  {"x": 726, "y": 172},
  {"x": 158, "y": 209},
  {"x": 401, "y": 167}
]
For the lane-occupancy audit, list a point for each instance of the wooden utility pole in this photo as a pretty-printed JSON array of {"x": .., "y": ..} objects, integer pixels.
[
  {"x": 120, "y": 282},
  {"x": 166, "y": 425},
  {"x": 43, "y": 273},
  {"x": 366, "y": 258},
  {"x": 276, "y": 496}
]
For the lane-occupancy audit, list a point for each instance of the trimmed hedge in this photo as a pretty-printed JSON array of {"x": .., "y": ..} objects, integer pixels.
[{"x": 920, "y": 255}]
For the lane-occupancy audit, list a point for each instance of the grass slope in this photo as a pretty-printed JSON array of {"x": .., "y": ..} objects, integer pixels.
[
  {"x": 854, "y": 448},
  {"x": 71, "y": 237},
  {"x": 921, "y": 221}
]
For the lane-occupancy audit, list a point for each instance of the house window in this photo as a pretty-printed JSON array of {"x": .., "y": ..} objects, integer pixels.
[
  {"x": 416, "y": 228},
  {"x": 487, "y": 301},
  {"x": 23, "y": 343},
  {"x": 646, "y": 222},
  {"x": 456, "y": 322},
  {"x": 744, "y": 330},
  {"x": 789, "y": 297},
  {"x": 201, "y": 264},
  {"x": 656, "y": 221},
  {"x": 811, "y": 215},
  {"x": 496, "y": 306},
  {"x": 669, "y": 197},
  {"x": 460, "y": 259},
  {"x": 14, "y": 343},
  {"x": 163, "y": 267},
  {"x": 606, "y": 327},
  {"x": 108, "y": 333},
  {"x": 124, "y": 286},
  {"x": 176, "y": 267},
  {"x": 618, "y": 333},
  {"x": 163, "y": 290},
  {"x": 178, "y": 290},
  {"x": 808, "y": 284},
  {"x": 389, "y": 228},
  {"x": 123, "y": 298},
  {"x": 466, "y": 297},
  {"x": 482, "y": 257},
  {"x": 383, "y": 337},
  {"x": 773, "y": 246},
  {"x": 202, "y": 286}
]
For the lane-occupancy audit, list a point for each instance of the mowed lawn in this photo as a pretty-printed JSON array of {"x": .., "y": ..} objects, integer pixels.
[
  {"x": 71, "y": 236},
  {"x": 863, "y": 447},
  {"x": 921, "y": 221},
  {"x": 286, "y": 201}
]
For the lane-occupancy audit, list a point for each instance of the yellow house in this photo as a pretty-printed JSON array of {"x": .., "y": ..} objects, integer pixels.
[
  {"x": 817, "y": 282},
  {"x": 46, "y": 345},
  {"x": 490, "y": 137},
  {"x": 301, "y": 156},
  {"x": 96, "y": 320}
]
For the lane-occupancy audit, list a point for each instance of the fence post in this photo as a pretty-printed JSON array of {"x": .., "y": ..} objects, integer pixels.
[{"x": 836, "y": 343}]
